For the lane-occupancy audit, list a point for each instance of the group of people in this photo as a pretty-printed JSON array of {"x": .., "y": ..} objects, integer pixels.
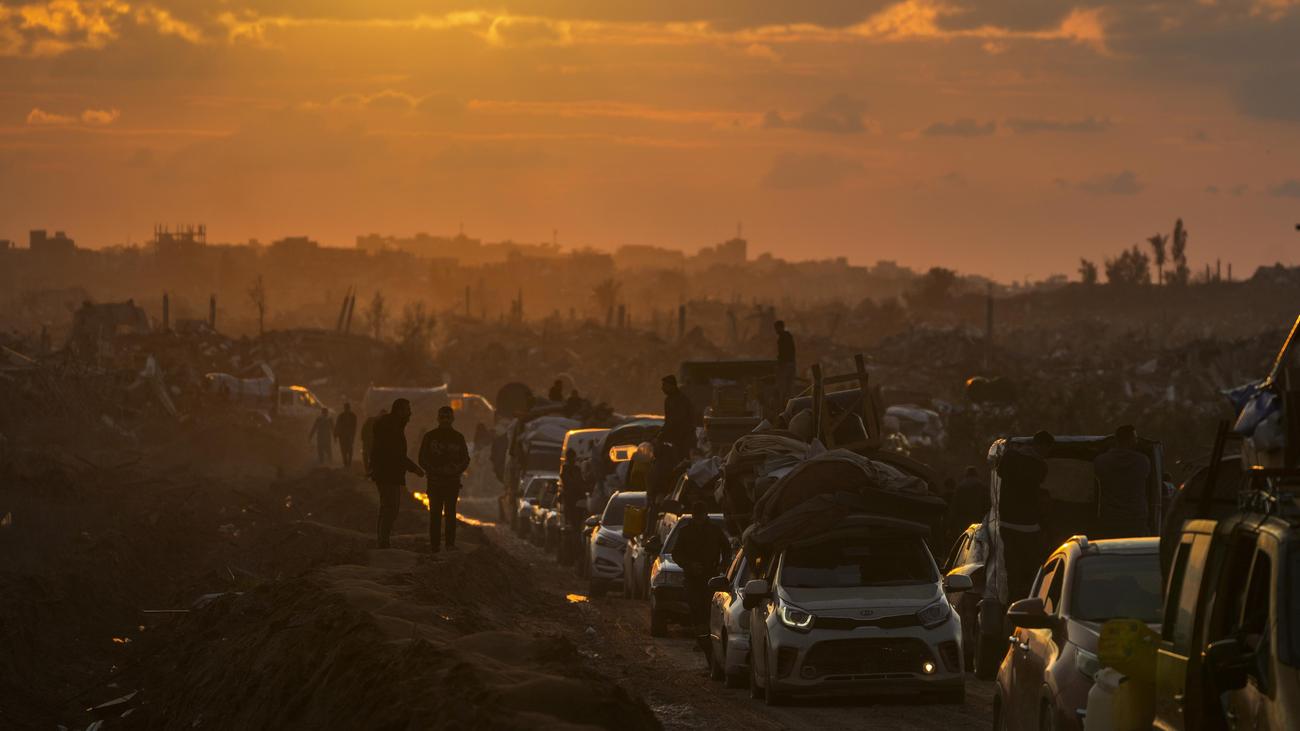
[{"x": 326, "y": 430}]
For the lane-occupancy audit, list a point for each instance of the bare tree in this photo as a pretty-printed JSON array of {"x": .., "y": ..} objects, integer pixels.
[
  {"x": 1182, "y": 273},
  {"x": 1087, "y": 272},
  {"x": 607, "y": 295},
  {"x": 257, "y": 295},
  {"x": 377, "y": 315},
  {"x": 1158, "y": 242}
]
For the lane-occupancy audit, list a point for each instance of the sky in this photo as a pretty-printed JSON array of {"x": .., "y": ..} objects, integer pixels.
[{"x": 1001, "y": 137}]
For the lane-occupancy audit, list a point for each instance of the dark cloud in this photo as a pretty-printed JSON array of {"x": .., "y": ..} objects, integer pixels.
[
  {"x": 1271, "y": 94},
  {"x": 1025, "y": 126},
  {"x": 841, "y": 114},
  {"x": 1121, "y": 183},
  {"x": 964, "y": 127},
  {"x": 792, "y": 171},
  {"x": 1286, "y": 189}
]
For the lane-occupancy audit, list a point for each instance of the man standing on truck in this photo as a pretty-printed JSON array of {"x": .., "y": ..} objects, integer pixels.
[
  {"x": 701, "y": 548},
  {"x": 444, "y": 456},
  {"x": 785, "y": 364},
  {"x": 1122, "y": 473},
  {"x": 368, "y": 438},
  {"x": 323, "y": 429},
  {"x": 679, "y": 422},
  {"x": 389, "y": 465},
  {"x": 1022, "y": 507},
  {"x": 345, "y": 430}
]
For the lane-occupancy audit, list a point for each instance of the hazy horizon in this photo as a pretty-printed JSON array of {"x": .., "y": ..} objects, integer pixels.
[{"x": 1005, "y": 138}]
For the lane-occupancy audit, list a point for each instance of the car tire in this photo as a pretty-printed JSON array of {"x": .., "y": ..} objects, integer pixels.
[
  {"x": 755, "y": 690},
  {"x": 988, "y": 656},
  {"x": 595, "y": 588},
  {"x": 658, "y": 624}
]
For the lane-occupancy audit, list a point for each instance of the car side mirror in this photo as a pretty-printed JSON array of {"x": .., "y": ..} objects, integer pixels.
[
  {"x": 591, "y": 521},
  {"x": 1229, "y": 664},
  {"x": 719, "y": 583},
  {"x": 956, "y": 582},
  {"x": 756, "y": 591},
  {"x": 1030, "y": 614}
]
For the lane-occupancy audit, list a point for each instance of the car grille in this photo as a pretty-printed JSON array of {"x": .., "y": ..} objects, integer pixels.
[
  {"x": 849, "y": 623},
  {"x": 867, "y": 659}
]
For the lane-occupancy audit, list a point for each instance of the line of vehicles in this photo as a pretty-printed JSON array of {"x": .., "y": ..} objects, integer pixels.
[{"x": 1192, "y": 626}]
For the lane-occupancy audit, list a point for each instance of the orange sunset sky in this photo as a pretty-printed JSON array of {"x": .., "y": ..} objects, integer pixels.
[{"x": 1006, "y": 138}]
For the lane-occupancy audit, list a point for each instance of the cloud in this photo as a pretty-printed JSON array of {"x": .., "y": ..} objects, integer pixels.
[
  {"x": 791, "y": 171},
  {"x": 841, "y": 114},
  {"x": 964, "y": 127},
  {"x": 40, "y": 118},
  {"x": 100, "y": 117},
  {"x": 1121, "y": 183},
  {"x": 1030, "y": 125},
  {"x": 1286, "y": 189}
]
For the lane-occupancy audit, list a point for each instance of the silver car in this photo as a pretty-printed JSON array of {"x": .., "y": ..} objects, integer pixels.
[
  {"x": 729, "y": 625},
  {"x": 605, "y": 550},
  {"x": 855, "y": 612}
]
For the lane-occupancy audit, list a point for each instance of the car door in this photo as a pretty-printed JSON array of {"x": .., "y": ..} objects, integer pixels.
[
  {"x": 1178, "y": 628},
  {"x": 1026, "y": 675},
  {"x": 1043, "y": 647},
  {"x": 1247, "y": 709},
  {"x": 723, "y": 600}
]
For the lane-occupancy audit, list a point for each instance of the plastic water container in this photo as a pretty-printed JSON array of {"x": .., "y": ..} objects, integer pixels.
[{"x": 1116, "y": 703}]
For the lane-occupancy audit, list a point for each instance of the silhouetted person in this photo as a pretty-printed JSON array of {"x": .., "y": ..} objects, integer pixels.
[
  {"x": 368, "y": 438},
  {"x": 345, "y": 430},
  {"x": 557, "y": 391},
  {"x": 679, "y": 420},
  {"x": 1122, "y": 473},
  {"x": 444, "y": 457},
  {"x": 700, "y": 550},
  {"x": 573, "y": 404},
  {"x": 573, "y": 503},
  {"x": 968, "y": 503},
  {"x": 323, "y": 430},
  {"x": 785, "y": 363},
  {"x": 1022, "y": 508},
  {"x": 389, "y": 465}
]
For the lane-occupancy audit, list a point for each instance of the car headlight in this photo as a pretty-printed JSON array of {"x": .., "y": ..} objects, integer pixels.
[
  {"x": 668, "y": 578},
  {"x": 935, "y": 614},
  {"x": 608, "y": 541},
  {"x": 1086, "y": 662},
  {"x": 794, "y": 617}
]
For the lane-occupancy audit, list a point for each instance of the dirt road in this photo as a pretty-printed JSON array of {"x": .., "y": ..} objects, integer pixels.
[{"x": 670, "y": 674}]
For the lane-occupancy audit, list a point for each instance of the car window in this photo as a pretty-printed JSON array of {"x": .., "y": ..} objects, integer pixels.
[
  {"x": 684, "y": 521},
  {"x": 1257, "y": 609},
  {"x": 613, "y": 515},
  {"x": 1190, "y": 564},
  {"x": 1116, "y": 586},
  {"x": 957, "y": 553},
  {"x": 1052, "y": 599},
  {"x": 1230, "y": 586},
  {"x": 1043, "y": 582},
  {"x": 876, "y": 561},
  {"x": 737, "y": 562}
]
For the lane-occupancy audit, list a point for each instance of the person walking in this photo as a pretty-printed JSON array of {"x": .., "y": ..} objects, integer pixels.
[
  {"x": 389, "y": 465},
  {"x": 1022, "y": 511},
  {"x": 345, "y": 430},
  {"x": 573, "y": 502},
  {"x": 444, "y": 457},
  {"x": 701, "y": 549},
  {"x": 323, "y": 430},
  {"x": 368, "y": 438}
]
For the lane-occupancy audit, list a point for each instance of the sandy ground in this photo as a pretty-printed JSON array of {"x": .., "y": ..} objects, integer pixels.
[{"x": 671, "y": 675}]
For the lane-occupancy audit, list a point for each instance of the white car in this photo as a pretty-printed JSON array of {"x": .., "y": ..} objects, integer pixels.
[
  {"x": 857, "y": 610},
  {"x": 605, "y": 551},
  {"x": 729, "y": 625}
]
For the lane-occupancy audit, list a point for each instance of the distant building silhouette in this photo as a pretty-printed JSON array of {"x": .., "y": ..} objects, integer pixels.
[{"x": 41, "y": 242}]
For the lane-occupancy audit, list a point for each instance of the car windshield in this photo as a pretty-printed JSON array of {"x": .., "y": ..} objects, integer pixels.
[
  {"x": 870, "y": 561},
  {"x": 1117, "y": 586},
  {"x": 686, "y": 520},
  {"x": 613, "y": 515}
]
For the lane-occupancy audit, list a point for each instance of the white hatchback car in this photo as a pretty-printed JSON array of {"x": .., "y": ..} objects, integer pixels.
[
  {"x": 605, "y": 550},
  {"x": 854, "y": 611}
]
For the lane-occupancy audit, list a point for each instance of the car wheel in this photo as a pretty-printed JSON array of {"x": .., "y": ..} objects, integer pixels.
[
  {"x": 755, "y": 690},
  {"x": 988, "y": 656},
  {"x": 658, "y": 624},
  {"x": 595, "y": 587}
]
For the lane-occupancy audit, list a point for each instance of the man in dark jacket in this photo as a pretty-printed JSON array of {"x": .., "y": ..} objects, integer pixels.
[
  {"x": 700, "y": 550},
  {"x": 573, "y": 501},
  {"x": 679, "y": 420},
  {"x": 323, "y": 430},
  {"x": 444, "y": 456},
  {"x": 368, "y": 438},
  {"x": 1122, "y": 473},
  {"x": 1022, "y": 509},
  {"x": 345, "y": 430},
  {"x": 389, "y": 465}
]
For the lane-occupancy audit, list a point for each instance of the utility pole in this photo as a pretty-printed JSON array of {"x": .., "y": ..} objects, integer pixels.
[
  {"x": 167, "y": 313},
  {"x": 212, "y": 311},
  {"x": 988, "y": 330}
]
